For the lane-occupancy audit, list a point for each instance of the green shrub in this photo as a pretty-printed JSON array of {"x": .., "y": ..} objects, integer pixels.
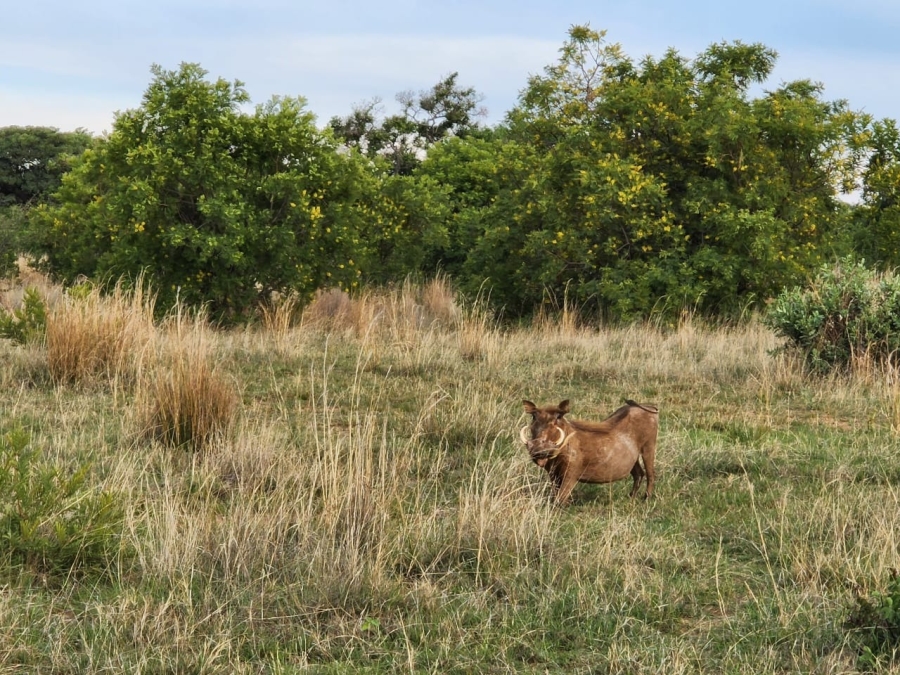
[
  {"x": 51, "y": 522},
  {"x": 12, "y": 226},
  {"x": 846, "y": 313},
  {"x": 875, "y": 625},
  {"x": 28, "y": 323}
]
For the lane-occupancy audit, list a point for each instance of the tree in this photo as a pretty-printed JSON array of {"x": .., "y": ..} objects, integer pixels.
[
  {"x": 219, "y": 206},
  {"x": 12, "y": 238},
  {"x": 447, "y": 109},
  {"x": 33, "y": 160},
  {"x": 469, "y": 171},
  {"x": 654, "y": 185},
  {"x": 877, "y": 227}
]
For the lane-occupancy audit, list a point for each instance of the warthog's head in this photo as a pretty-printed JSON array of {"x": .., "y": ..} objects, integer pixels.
[{"x": 545, "y": 437}]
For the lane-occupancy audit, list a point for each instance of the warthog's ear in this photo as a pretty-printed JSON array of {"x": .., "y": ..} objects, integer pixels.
[
  {"x": 563, "y": 407},
  {"x": 530, "y": 407}
]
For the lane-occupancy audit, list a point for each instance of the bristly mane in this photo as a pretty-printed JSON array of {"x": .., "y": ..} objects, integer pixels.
[
  {"x": 600, "y": 427},
  {"x": 649, "y": 408}
]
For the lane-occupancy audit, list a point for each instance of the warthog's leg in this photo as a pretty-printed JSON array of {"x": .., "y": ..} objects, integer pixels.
[
  {"x": 649, "y": 455},
  {"x": 566, "y": 486},
  {"x": 637, "y": 473}
]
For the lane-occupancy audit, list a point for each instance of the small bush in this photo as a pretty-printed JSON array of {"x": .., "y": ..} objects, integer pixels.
[
  {"x": 51, "y": 522},
  {"x": 28, "y": 323},
  {"x": 875, "y": 625},
  {"x": 845, "y": 315}
]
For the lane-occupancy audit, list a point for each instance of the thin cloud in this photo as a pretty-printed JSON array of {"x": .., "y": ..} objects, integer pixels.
[
  {"x": 99, "y": 54},
  {"x": 65, "y": 112},
  {"x": 332, "y": 72}
]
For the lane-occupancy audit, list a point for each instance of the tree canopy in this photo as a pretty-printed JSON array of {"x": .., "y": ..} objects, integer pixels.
[
  {"x": 638, "y": 186},
  {"x": 447, "y": 109},
  {"x": 33, "y": 160}
]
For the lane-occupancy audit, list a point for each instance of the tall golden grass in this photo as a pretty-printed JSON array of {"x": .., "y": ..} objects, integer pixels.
[
  {"x": 92, "y": 335},
  {"x": 181, "y": 395}
]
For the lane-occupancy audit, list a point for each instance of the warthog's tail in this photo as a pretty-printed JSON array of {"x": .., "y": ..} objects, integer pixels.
[{"x": 648, "y": 408}]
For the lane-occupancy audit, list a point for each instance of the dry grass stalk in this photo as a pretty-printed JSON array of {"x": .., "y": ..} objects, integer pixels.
[
  {"x": 475, "y": 330},
  {"x": 502, "y": 515},
  {"x": 330, "y": 309},
  {"x": 403, "y": 313},
  {"x": 12, "y": 291},
  {"x": 553, "y": 318},
  {"x": 440, "y": 301}
]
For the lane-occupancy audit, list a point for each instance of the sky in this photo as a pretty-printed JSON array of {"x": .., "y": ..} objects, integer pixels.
[{"x": 74, "y": 64}]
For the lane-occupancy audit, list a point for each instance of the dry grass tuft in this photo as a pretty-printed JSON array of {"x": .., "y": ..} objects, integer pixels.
[
  {"x": 558, "y": 318},
  {"x": 476, "y": 332},
  {"x": 12, "y": 291},
  {"x": 402, "y": 313},
  {"x": 440, "y": 301},
  {"x": 281, "y": 314},
  {"x": 184, "y": 398},
  {"x": 91, "y": 335},
  {"x": 331, "y": 309},
  {"x": 503, "y": 514}
]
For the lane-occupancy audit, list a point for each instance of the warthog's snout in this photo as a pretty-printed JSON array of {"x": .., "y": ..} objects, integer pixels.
[{"x": 546, "y": 446}]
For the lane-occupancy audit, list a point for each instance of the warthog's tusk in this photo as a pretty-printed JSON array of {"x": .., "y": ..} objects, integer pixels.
[
  {"x": 523, "y": 435},
  {"x": 562, "y": 437}
]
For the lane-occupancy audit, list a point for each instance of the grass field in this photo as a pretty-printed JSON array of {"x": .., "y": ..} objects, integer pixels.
[{"x": 346, "y": 493}]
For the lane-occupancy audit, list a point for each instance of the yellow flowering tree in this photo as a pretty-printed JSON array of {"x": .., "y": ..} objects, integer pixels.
[
  {"x": 636, "y": 187},
  {"x": 216, "y": 205}
]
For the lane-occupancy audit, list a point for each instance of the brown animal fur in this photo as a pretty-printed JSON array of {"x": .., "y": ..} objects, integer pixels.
[{"x": 573, "y": 451}]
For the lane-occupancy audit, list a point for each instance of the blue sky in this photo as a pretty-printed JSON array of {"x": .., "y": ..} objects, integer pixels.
[{"x": 73, "y": 64}]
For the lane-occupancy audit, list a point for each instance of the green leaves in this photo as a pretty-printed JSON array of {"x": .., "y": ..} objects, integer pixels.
[
  {"x": 32, "y": 160},
  {"x": 446, "y": 110},
  {"x": 638, "y": 188},
  {"x": 846, "y": 314},
  {"x": 875, "y": 626},
  {"x": 634, "y": 187},
  {"x": 27, "y": 323},
  {"x": 51, "y": 522},
  {"x": 220, "y": 207}
]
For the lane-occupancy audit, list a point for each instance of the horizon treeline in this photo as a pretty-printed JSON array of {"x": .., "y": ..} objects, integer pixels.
[{"x": 628, "y": 187}]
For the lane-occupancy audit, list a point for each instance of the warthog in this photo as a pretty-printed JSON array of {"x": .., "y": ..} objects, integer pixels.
[{"x": 593, "y": 452}]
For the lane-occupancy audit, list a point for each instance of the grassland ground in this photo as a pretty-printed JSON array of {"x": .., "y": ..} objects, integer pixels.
[{"x": 365, "y": 506}]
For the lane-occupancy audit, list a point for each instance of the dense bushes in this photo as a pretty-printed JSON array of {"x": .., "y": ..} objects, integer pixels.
[
  {"x": 646, "y": 187},
  {"x": 629, "y": 187},
  {"x": 846, "y": 313},
  {"x": 222, "y": 207}
]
